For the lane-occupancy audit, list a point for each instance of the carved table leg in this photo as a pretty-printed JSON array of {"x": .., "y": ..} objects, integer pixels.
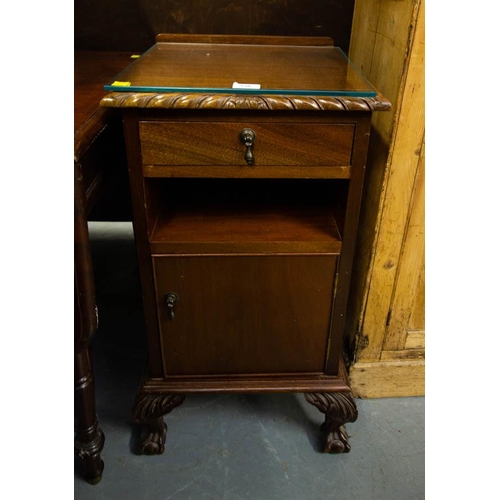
[
  {"x": 149, "y": 410},
  {"x": 89, "y": 439},
  {"x": 339, "y": 408}
]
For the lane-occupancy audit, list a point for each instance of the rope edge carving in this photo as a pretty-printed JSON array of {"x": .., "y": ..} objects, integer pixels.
[{"x": 239, "y": 101}]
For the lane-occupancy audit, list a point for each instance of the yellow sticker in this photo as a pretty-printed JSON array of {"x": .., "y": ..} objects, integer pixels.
[
  {"x": 135, "y": 56},
  {"x": 120, "y": 84}
]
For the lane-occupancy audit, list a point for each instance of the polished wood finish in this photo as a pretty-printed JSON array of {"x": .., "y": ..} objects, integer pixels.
[
  {"x": 92, "y": 70},
  {"x": 241, "y": 384},
  {"x": 270, "y": 172},
  {"x": 95, "y": 143},
  {"x": 245, "y": 281},
  {"x": 145, "y": 204},
  {"x": 165, "y": 143},
  {"x": 247, "y": 228},
  {"x": 181, "y": 100},
  {"x": 215, "y": 67},
  {"x": 279, "y": 382},
  {"x": 98, "y": 140},
  {"x": 349, "y": 241},
  {"x": 310, "y": 41},
  {"x": 84, "y": 290},
  {"x": 244, "y": 314},
  {"x": 89, "y": 438},
  {"x": 265, "y": 215}
]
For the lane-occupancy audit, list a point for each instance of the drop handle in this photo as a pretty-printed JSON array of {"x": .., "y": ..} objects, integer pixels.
[
  {"x": 247, "y": 137},
  {"x": 171, "y": 299}
]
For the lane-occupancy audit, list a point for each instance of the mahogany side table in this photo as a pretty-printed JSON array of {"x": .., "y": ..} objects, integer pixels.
[{"x": 246, "y": 162}]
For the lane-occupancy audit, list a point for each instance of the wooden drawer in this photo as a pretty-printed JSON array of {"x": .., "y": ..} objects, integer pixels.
[
  {"x": 245, "y": 314},
  {"x": 218, "y": 144}
]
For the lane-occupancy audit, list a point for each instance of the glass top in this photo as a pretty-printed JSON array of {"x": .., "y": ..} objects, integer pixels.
[{"x": 243, "y": 69}]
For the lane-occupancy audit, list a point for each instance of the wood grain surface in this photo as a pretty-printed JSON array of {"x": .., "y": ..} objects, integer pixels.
[
  {"x": 388, "y": 379},
  {"x": 245, "y": 314},
  {"x": 216, "y": 143},
  {"x": 275, "y": 68},
  {"x": 247, "y": 228}
]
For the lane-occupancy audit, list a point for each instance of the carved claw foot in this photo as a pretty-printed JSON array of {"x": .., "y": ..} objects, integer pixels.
[
  {"x": 149, "y": 410},
  {"x": 153, "y": 439},
  {"x": 339, "y": 408},
  {"x": 335, "y": 440}
]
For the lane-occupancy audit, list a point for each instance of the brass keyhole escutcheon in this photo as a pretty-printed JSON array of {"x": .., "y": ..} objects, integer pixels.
[
  {"x": 247, "y": 137},
  {"x": 171, "y": 299}
]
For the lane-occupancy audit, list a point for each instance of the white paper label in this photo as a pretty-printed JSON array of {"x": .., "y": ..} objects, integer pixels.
[{"x": 237, "y": 85}]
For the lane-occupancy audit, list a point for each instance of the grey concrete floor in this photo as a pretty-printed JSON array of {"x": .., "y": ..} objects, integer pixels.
[{"x": 231, "y": 447}]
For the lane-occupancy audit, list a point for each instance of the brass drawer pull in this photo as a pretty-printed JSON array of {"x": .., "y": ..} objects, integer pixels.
[
  {"x": 171, "y": 299},
  {"x": 247, "y": 137}
]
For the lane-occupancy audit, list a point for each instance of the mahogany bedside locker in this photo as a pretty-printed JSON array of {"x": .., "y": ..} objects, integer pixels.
[{"x": 246, "y": 162}]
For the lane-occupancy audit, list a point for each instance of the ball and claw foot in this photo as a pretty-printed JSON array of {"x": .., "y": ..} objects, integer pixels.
[
  {"x": 336, "y": 440},
  {"x": 149, "y": 410},
  {"x": 339, "y": 408},
  {"x": 153, "y": 439}
]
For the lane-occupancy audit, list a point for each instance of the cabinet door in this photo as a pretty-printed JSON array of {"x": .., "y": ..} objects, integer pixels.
[{"x": 243, "y": 314}]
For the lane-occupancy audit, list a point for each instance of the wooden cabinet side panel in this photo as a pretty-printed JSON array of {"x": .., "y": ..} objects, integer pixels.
[
  {"x": 139, "y": 196},
  {"x": 337, "y": 335}
]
